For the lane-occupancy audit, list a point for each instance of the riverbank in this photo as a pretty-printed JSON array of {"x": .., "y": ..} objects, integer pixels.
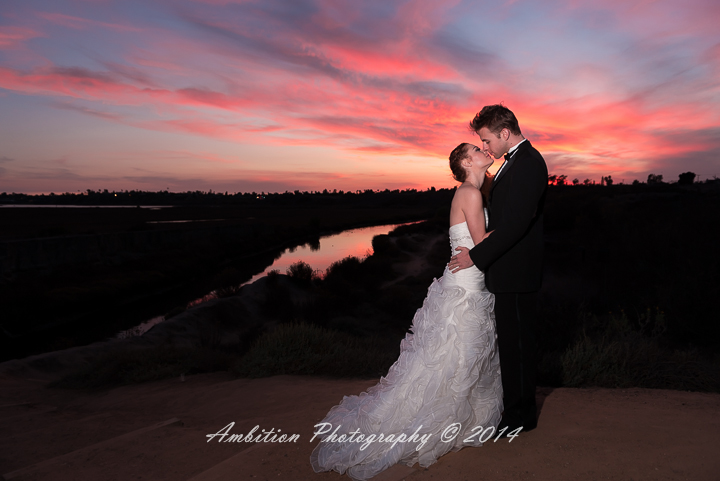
[
  {"x": 86, "y": 274},
  {"x": 215, "y": 335}
]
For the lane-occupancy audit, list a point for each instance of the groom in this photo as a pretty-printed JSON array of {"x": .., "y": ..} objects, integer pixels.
[{"x": 511, "y": 257}]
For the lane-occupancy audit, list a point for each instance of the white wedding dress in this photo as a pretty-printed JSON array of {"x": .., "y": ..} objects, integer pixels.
[{"x": 448, "y": 372}]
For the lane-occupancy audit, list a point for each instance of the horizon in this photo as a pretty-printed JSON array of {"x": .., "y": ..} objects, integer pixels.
[
  {"x": 431, "y": 188},
  {"x": 568, "y": 183},
  {"x": 274, "y": 96}
]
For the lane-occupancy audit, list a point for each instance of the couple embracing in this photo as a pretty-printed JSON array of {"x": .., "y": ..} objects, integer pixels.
[{"x": 466, "y": 371}]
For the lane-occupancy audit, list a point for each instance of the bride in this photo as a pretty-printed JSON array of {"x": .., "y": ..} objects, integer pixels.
[{"x": 444, "y": 392}]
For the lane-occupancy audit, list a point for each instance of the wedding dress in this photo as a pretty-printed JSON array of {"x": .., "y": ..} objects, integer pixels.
[{"x": 448, "y": 372}]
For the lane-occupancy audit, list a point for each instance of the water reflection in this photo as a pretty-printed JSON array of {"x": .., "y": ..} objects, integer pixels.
[
  {"x": 184, "y": 221},
  {"x": 318, "y": 253},
  {"x": 322, "y": 252}
]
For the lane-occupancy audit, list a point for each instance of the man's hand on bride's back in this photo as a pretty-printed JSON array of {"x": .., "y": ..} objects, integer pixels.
[{"x": 461, "y": 260}]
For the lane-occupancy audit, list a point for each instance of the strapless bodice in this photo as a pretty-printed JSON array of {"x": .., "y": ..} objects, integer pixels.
[
  {"x": 471, "y": 278},
  {"x": 460, "y": 237}
]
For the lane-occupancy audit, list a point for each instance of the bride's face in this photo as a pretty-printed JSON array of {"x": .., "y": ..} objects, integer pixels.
[{"x": 481, "y": 160}]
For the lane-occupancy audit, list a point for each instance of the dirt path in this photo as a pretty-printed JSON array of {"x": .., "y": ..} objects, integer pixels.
[{"x": 159, "y": 431}]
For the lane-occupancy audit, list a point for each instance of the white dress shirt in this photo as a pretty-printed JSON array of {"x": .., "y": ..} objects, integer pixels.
[{"x": 510, "y": 152}]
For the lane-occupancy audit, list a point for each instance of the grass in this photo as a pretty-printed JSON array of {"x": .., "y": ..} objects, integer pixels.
[
  {"x": 309, "y": 349},
  {"x": 621, "y": 355},
  {"x": 122, "y": 367}
]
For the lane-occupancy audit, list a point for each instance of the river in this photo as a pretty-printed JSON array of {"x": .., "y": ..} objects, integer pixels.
[{"x": 352, "y": 242}]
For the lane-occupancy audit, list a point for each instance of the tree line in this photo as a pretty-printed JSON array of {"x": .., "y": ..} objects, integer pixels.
[
  {"x": 686, "y": 178},
  {"x": 165, "y": 197}
]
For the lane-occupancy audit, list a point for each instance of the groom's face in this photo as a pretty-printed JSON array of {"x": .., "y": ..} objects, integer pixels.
[{"x": 494, "y": 144}]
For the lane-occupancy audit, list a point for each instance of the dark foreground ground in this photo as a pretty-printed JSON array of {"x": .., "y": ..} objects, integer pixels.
[{"x": 159, "y": 431}]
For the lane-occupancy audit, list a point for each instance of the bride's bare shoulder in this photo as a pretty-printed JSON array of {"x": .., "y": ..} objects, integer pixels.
[{"x": 466, "y": 194}]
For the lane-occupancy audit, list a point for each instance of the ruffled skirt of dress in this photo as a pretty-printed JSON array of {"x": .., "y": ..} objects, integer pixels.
[{"x": 448, "y": 372}]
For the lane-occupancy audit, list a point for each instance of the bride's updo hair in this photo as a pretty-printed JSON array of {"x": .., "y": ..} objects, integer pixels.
[{"x": 456, "y": 157}]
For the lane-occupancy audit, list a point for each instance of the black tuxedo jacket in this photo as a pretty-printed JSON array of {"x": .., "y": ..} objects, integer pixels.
[{"x": 511, "y": 256}]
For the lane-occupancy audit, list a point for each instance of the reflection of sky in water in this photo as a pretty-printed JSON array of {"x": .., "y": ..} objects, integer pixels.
[
  {"x": 182, "y": 221},
  {"x": 355, "y": 242}
]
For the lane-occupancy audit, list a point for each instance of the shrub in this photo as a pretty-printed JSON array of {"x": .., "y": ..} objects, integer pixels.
[
  {"x": 345, "y": 269},
  {"x": 383, "y": 245},
  {"x": 302, "y": 273}
]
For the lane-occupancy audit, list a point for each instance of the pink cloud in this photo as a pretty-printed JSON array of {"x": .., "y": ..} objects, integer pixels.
[
  {"x": 76, "y": 83},
  {"x": 79, "y": 23},
  {"x": 378, "y": 81},
  {"x": 12, "y": 37}
]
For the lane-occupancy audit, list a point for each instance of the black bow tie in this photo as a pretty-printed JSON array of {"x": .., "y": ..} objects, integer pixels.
[{"x": 507, "y": 156}]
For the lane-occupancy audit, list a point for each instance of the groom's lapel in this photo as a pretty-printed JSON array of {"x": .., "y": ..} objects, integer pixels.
[
  {"x": 509, "y": 164},
  {"x": 504, "y": 172}
]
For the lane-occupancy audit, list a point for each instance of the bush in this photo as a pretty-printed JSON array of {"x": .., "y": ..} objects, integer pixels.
[
  {"x": 346, "y": 269},
  {"x": 383, "y": 245},
  {"x": 302, "y": 273}
]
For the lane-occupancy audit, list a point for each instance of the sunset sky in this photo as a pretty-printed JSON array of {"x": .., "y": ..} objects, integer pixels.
[{"x": 271, "y": 95}]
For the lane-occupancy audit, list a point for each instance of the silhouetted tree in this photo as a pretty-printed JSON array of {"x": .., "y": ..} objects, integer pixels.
[
  {"x": 552, "y": 179},
  {"x": 301, "y": 272},
  {"x": 654, "y": 179},
  {"x": 686, "y": 178},
  {"x": 576, "y": 181},
  {"x": 561, "y": 180},
  {"x": 586, "y": 181}
]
